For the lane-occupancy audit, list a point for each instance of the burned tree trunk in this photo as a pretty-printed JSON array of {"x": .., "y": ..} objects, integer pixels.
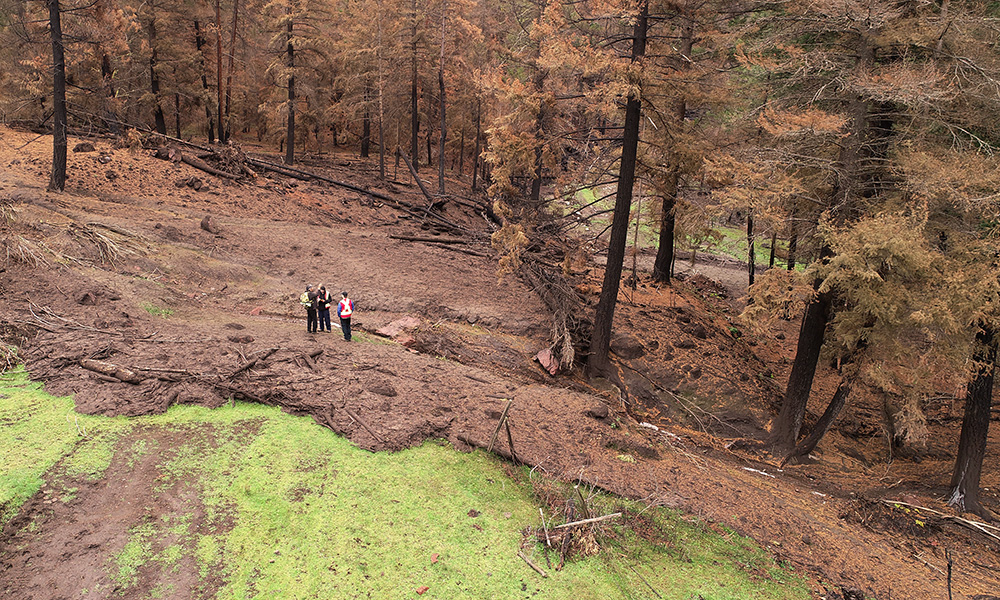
[
  {"x": 599, "y": 362},
  {"x": 785, "y": 430},
  {"x": 290, "y": 135},
  {"x": 823, "y": 425},
  {"x": 154, "y": 79},
  {"x": 199, "y": 41},
  {"x": 975, "y": 429},
  {"x": 57, "y": 180}
]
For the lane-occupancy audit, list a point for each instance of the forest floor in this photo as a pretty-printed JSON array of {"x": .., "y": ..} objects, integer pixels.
[{"x": 119, "y": 269}]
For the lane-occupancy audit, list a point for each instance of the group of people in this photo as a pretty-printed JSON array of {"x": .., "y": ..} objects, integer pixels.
[{"x": 318, "y": 301}]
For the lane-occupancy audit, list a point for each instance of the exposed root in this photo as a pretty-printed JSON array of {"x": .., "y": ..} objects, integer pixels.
[
  {"x": 113, "y": 243},
  {"x": 565, "y": 304},
  {"x": 18, "y": 249},
  {"x": 8, "y": 357}
]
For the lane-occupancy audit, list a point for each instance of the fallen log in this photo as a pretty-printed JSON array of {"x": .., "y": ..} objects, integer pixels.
[
  {"x": 175, "y": 155},
  {"x": 111, "y": 370},
  {"x": 416, "y": 178},
  {"x": 194, "y": 161}
]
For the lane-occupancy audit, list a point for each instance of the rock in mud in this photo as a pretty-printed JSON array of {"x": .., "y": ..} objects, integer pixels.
[
  {"x": 627, "y": 346},
  {"x": 548, "y": 361},
  {"x": 597, "y": 411},
  {"x": 208, "y": 224}
]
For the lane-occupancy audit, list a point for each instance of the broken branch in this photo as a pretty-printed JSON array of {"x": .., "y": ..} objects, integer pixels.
[
  {"x": 527, "y": 560},
  {"x": 586, "y": 521}
]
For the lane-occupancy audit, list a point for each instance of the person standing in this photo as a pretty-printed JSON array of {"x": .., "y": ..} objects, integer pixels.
[
  {"x": 309, "y": 299},
  {"x": 344, "y": 310},
  {"x": 323, "y": 303}
]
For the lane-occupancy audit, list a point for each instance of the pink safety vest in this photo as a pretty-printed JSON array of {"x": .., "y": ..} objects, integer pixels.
[{"x": 345, "y": 308}]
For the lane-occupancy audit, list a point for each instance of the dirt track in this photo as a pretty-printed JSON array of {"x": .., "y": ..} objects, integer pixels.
[{"x": 233, "y": 296}]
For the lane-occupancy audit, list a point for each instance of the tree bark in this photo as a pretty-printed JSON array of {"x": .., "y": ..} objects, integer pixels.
[
  {"x": 229, "y": 72},
  {"x": 218, "y": 66},
  {"x": 290, "y": 135},
  {"x": 177, "y": 114},
  {"x": 599, "y": 362},
  {"x": 442, "y": 103},
  {"x": 975, "y": 429},
  {"x": 774, "y": 243},
  {"x": 751, "y": 253},
  {"x": 823, "y": 425},
  {"x": 663, "y": 265},
  {"x": 381, "y": 105},
  {"x": 414, "y": 115},
  {"x": 366, "y": 124},
  {"x": 793, "y": 243},
  {"x": 478, "y": 148},
  {"x": 57, "y": 180},
  {"x": 852, "y": 184},
  {"x": 110, "y": 114},
  {"x": 785, "y": 430},
  {"x": 154, "y": 79},
  {"x": 199, "y": 42}
]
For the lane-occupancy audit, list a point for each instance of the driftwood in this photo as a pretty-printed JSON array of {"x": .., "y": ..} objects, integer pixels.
[{"x": 111, "y": 370}]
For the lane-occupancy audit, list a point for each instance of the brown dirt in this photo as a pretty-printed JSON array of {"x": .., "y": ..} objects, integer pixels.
[{"x": 689, "y": 370}]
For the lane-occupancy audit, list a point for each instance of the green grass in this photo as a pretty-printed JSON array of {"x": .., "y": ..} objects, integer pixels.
[
  {"x": 156, "y": 311},
  {"x": 275, "y": 506}
]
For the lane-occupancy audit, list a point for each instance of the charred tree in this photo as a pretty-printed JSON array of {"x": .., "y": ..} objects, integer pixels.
[
  {"x": 793, "y": 243},
  {"x": 826, "y": 421},
  {"x": 599, "y": 362},
  {"x": 785, "y": 431},
  {"x": 111, "y": 120},
  {"x": 154, "y": 78},
  {"x": 751, "y": 252},
  {"x": 57, "y": 180},
  {"x": 442, "y": 103},
  {"x": 218, "y": 67},
  {"x": 366, "y": 124},
  {"x": 414, "y": 114},
  {"x": 663, "y": 265},
  {"x": 229, "y": 73},
  {"x": 290, "y": 135},
  {"x": 478, "y": 148},
  {"x": 199, "y": 42},
  {"x": 975, "y": 429}
]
